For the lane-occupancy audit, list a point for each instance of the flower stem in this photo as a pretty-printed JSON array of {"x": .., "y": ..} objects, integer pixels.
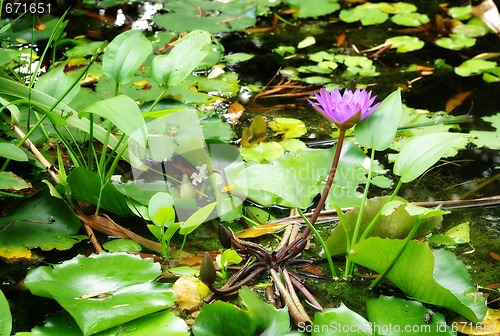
[
  {"x": 328, "y": 185},
  {"x": 396, "y": 257},
  {"x": 321, "y": 241},
  {"x": 349, "y": 266}
]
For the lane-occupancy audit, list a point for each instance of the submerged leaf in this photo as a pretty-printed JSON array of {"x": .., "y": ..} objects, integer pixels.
[{"x": 260, "y": 230}]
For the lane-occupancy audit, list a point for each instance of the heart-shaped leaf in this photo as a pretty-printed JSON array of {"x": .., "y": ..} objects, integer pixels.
[
  {"x": 123, "y": 112},
  {"x": 377, "y": 131},
  {"x": 188, "y": 52},
  {"x": 421, "y": 153},
  {"x": 430, "y": 276},
  {"x": 124, "y": 55}
]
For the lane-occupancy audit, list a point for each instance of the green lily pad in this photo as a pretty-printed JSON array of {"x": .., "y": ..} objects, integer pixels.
[
  {"x": 257, "y": 181},
  {"x": 461, "y": 13},
  {"x": 215, "y": 17},
  {"x": 368, "y": 13},
  {"x": 225, "y": 319},
  {"x": 313, "y": 8},
  {"x": 394, "y": 224},
  {"x": 471, "y": 30},
  {"x": 293, "y": 145},
  {"x": 455, "y": 236},
  {"x": 431, "y": 276},
  {"x": 288, "y": 127},
  {"x": 404, "y": 44},
  {"x": 238, "y": 57},
  {"x": 122, "y": 245},
  {"x": 476, "y": 66},
  {"x": 340, "y": 321},
  {"x": 410, "y": 19},
  {"x": 387, "y": 315},
  {"x": 39, "y": 221},
  {"x": 456, "y": 41},
  {"x": 263, "y": 151},
  {"x": 406, "y": 317},
  {"x": 160, "y": 323},
  {"x": 487, "y": 138},
  {"x": 282, "y": 50},
  {"x": 85, "y": 47},
  {"x": 104, "y": 290}
]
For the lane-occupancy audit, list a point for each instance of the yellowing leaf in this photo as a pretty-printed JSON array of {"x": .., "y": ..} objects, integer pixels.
[
  {"x": 460, "y": 231},
  {"x": 141, "y": 83},
  {"x": 260, "y": 230},
  {"x": 289, "y": 127},
  {"x": 308, "y": 41},
  {"x": 190, "y": 291},
  {"x": 489, "y": 326},
  {"x": 456, "y": 100},
  {"x": 235, "y": 111}
]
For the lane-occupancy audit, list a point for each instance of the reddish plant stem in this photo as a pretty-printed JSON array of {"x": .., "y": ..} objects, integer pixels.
[{"x": 328, "y": 185}]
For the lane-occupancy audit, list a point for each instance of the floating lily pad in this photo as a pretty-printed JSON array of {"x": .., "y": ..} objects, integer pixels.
[
  {"x": 215, "y": 17},
  {"x": 404, "y": 44},
  {"x": 122, "y": 245},
  {"x": 85, "y": 47},
  {"x": 487, "y": 138},
  {"x": 259, "y": 318},
  {"x": 282, "y": 50},
  {"x": 340, "y": 321},
  {"x": 412, "y": 317},
  {"x": 456, "y": 41},
  {"x": 313, "y": 8},
  {"x": 368, "y": 13},
  {"x": 453, "y": 237},
  {"x": 163, "y": 323},
  {"x": 461, "y": 13},
  {"x": 288, "y": 127},
  {"x": 263, "y": 151},
  {"x": 39, "y": 221},
  {"x": 471, "y": 30},
  {"x": 238, "y": 57},
  {"x": 410, "y": 19},
  {"x": 104, "y": 290},
  {"x": 489, "y": 69}
]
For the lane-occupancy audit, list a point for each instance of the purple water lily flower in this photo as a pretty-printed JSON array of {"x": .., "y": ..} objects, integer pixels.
[{"x": 347, "y": 110}]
